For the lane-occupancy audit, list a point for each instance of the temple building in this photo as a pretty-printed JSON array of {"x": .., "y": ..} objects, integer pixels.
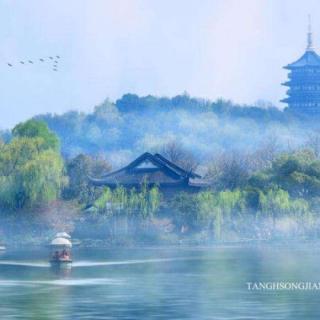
[
  {"x": 154, "y": 170},
  {"x": 304, "y": 81}
]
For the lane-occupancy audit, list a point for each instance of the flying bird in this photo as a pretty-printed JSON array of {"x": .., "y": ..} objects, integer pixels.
[{"x": 54, "y": 59}]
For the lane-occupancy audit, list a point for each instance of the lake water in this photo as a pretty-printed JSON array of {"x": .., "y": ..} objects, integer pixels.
[{"x": 161, "y": 283}]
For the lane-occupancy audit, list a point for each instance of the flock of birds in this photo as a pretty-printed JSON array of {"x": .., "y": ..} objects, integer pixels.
[{"x": 53, "y": 59}]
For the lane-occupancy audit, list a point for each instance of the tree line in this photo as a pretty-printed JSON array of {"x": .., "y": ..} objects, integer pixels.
[
  {"x": 262, "y": 194},
  {"x": 204, "y": 126}
]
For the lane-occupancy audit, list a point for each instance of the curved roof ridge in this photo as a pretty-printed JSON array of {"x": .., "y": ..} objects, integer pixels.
[
  {"x": 175, "y": 166},
  {"x": 309, "y": 58},
  {"x": 162, "y": 164}
]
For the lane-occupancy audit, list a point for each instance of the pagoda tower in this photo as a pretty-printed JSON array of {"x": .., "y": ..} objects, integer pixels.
[{"x": 304, "y": 81}]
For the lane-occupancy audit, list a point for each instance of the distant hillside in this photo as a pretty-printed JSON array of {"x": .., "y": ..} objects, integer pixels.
[{"x": 135, "y": 124}]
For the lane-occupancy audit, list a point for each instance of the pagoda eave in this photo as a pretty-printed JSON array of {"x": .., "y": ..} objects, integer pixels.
[{"x": 304, "y": 81}]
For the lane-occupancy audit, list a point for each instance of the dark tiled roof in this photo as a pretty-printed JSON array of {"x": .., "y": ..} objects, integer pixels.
[
  {"x": 154, "y": 169},
  {"x": 309, "y": 58}
]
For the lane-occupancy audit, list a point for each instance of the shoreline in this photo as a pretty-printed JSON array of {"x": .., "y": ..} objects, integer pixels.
[{"x": 105, "y": 244}]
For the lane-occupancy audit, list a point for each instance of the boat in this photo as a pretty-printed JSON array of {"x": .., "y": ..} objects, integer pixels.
[
  {"x": 60, "y": 252},
  {"x": 63, "y": 235}
]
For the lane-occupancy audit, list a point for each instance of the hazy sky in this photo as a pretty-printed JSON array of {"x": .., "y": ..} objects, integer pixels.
[{"x": 210, "y": 48}]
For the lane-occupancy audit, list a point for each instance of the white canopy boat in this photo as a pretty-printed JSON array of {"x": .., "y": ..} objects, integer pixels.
[{"x": 60, "y": 251}]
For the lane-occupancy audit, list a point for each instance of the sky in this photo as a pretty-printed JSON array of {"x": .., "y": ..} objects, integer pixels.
[{"x": 209, "y": 48}]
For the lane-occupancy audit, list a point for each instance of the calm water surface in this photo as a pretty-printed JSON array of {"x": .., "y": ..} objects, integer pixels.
[{"x": 160, "y": 283}]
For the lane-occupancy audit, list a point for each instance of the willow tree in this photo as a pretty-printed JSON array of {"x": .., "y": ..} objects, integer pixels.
[
  {"x": 303, "y": 214},
  {"x": 37, "y": 129},
  {"x": 126, "y": 208},
  {"x": 185, "y": 211},
  {"x": 31, "y": 169},
  {"x": 275, "y": 203},
  {"x": 217, "y": 209}
]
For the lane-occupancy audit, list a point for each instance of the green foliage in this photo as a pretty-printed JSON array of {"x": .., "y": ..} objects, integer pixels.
[
  {"x": 37, "y": 129},
  {"x": 275, "y": 203},
  {"x": 78, "y": 170},
  {"x": 208, "y": 210},
  {"x": 244, "y": 187},
  {"x": 121, "y": 202},
  {"x": 220, "y": 207},
  {"x": 41, "y": 177},
  {"x": 31, "y": 171},
  {"x": 184, "y": 209},
  {"x": 225, "y": 212},
  {"x": 128, "y": 211},
  {"x": 298, "y": 174},
  {"x": 106, "y": 128}
]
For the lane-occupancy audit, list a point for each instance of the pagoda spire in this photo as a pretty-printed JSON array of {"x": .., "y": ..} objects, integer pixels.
[{"x": 309, "y": 35}]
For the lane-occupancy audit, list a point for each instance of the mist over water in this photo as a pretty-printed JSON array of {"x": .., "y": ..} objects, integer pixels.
[
  {"x": 164, "y": 284},
  {"x": 91, "y": 263},
  {"x": 178, "y": 245}
]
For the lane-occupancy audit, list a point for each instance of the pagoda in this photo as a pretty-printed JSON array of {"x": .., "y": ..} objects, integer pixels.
[{"x": 304, "y": 81}]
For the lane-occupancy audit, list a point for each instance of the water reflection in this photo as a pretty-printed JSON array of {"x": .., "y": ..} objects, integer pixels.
[
  {"x": 181, "y": 283},
  {"x": 62, "y": 271}
]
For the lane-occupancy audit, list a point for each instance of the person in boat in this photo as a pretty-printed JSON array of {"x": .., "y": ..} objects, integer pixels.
[
  {"x": 65, "y": 255},
  {"x": 61, "y": 248},
  {"x": 56, "y": 255}
]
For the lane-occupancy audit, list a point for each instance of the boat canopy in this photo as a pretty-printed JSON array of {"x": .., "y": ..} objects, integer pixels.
[
  {"x": 63, "y": 235},
  {"x": 61, "y": 242}
]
